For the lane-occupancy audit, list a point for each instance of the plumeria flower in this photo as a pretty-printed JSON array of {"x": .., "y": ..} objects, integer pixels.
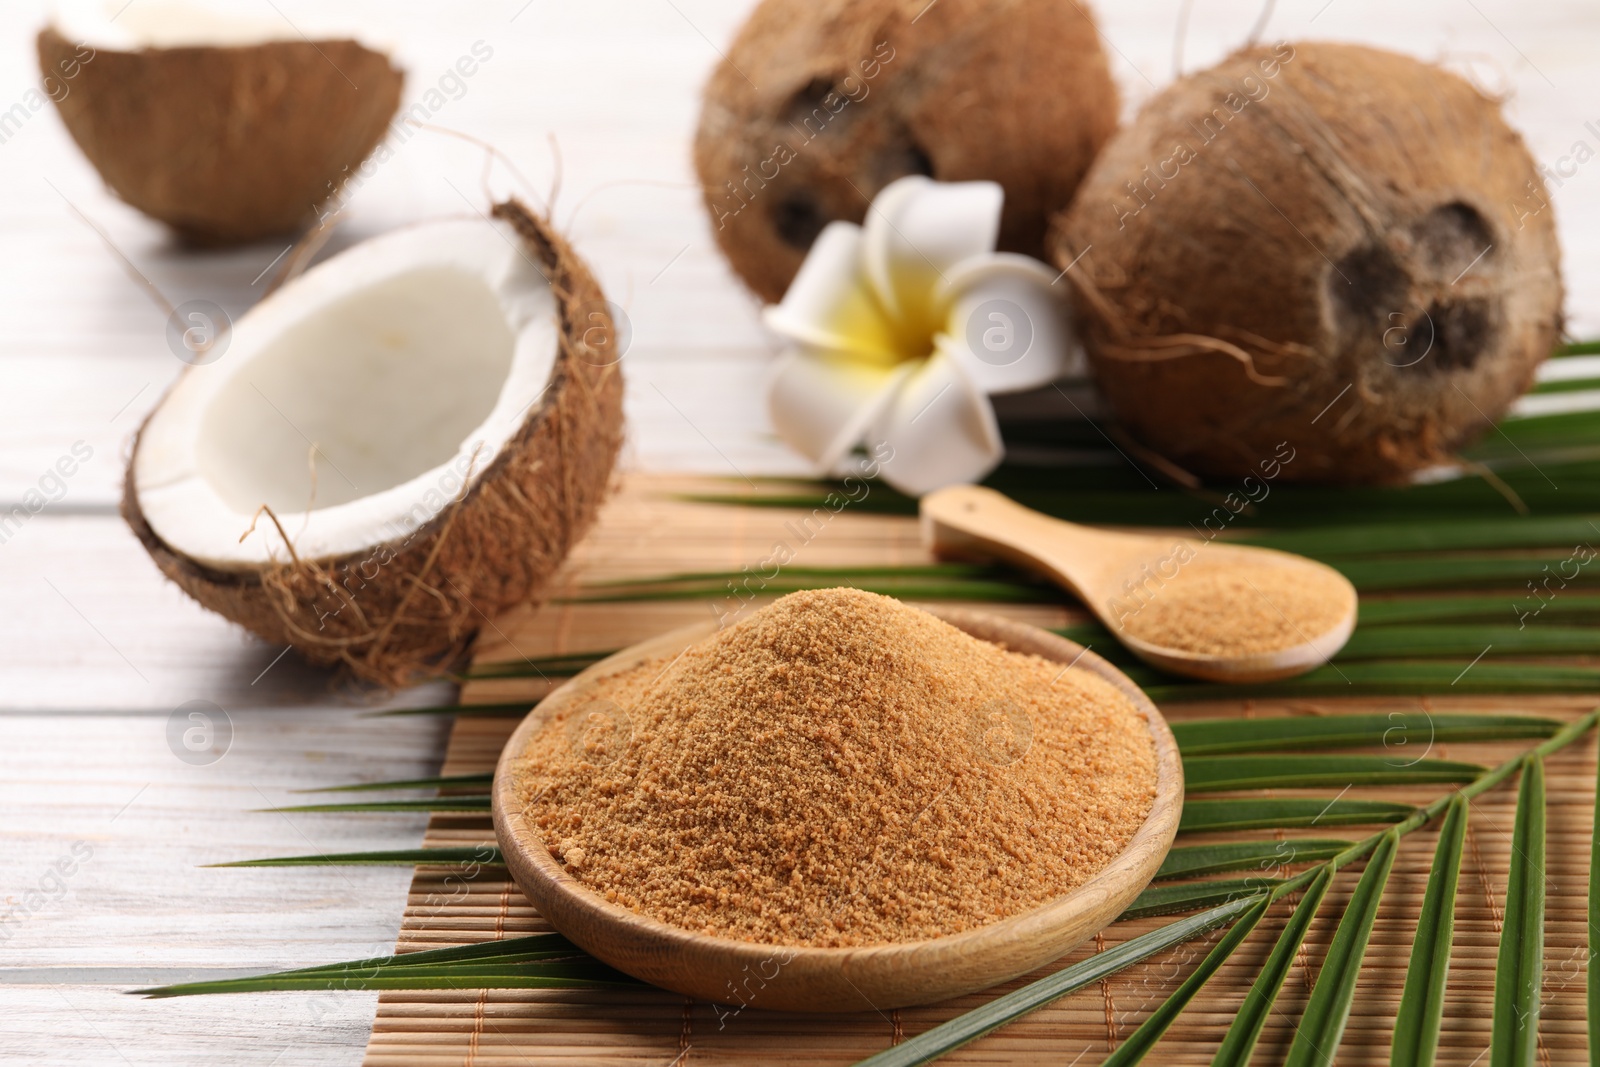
[{"x": 900, "y": 330}]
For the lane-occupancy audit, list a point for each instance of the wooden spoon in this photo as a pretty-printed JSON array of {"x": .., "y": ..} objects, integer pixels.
[
  {"x": 1109, "y": 571},
  {"x": 750, "y": 974}
]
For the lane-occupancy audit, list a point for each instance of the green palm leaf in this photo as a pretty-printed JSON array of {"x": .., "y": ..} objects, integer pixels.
[
  {"x": 1142, "y": 1040},
  {"x": 1193, "y": 896},
  {"x": 1416, "y": 1027},
  {"x": 451, "y": 781},
  {"x": 480, "y": 803},
  {"x": 1272, "y": 813},
  {"x": 1519, "y": 966},
  {"x": 1215, "y": 774},
  {"x": 1456, "y": 608},
  {"x": 1210, "y": 737},
  {"x": 942, "y": 1039},
  {"x": 1245, "y": 1030},
  {"x": 1321, "y": 1028},
  {"x": 1516, "y": 531},
  {"x": 1192, "y": 861},
  {"x": 405, "y": 857},
  {"x": 949, "y": 1036},
  {"x": 515, "y": 709},
  {"x": 1438, "y": 641},
  {"x": 542, "y": 961},
  {"x": 1444, "y": 572},
  {"x": 1392, "y": 678}
]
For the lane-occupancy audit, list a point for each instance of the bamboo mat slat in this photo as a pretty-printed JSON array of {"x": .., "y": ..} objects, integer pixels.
[{"x": 648, "y": 529}]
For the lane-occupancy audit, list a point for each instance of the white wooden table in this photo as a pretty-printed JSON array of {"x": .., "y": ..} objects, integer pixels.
[{"x": 96, "y": 651}]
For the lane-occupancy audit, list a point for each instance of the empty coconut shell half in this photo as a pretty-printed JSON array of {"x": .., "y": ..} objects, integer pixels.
[
  {"x": 226, "y": 129},
  {"x": 392, "y": 448},
  {"x": 1324, "y": 246},
  {"x": 819, "y": 104}
]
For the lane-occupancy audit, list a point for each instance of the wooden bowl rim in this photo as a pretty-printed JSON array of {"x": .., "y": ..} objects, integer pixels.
[{"x": 529, "y": 859}]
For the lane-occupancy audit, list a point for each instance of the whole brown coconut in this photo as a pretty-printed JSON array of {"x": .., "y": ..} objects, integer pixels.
[
  {"x": 821, "y": 103},
  {"x": 226, "y": 144},
  {"x": 1326, "y": 245},
  {"x": 409, "y": 608}
]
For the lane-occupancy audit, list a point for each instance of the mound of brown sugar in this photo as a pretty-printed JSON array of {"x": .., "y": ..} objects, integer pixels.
[
  {"x": 841, "y": 769},
  {"x": 1215, "y": 607}
]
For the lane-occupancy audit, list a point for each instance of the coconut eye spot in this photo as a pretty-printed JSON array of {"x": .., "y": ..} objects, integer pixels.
[
  {"x": 404, "y": 371},
  {"x": 1463, "y": 330},
  {"x": 798, "y": 219},
  {"x": 1363, "y": 287},
  {"x": 1453, "y": 238}
]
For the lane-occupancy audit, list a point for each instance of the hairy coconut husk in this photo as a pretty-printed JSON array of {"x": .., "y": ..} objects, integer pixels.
[
  {"x": 1326, "y": 245},
  {"x": 410, "y": 607},
  {"x": 821, "y": 103},
  {"x": 226, "y": 144}
]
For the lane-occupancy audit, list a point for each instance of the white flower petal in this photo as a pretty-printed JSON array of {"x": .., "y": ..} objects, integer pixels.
[
  {"x": 941, "y": 429},
  {"x": 1007, "y": 325},
  {"x": 821, "y": 403},
  {"x": 830, "y": 303},
  {"x": 916, "y": 230}
]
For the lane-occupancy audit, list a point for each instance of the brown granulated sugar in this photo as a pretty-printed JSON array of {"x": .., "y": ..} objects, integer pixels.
[
  {"x": 841, "y": 769},
  {"x": 1216, "y": 607}
]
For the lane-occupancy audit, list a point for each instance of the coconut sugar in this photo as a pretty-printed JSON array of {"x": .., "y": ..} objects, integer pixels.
[
  {"x": 840, "y": 769},
  {"x": 1216, "y": 607}
]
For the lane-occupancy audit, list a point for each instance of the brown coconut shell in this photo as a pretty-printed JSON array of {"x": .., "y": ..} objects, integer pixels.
[
  {"x": 1327, "y": 245},
  {"x": 226, "y": 144},
  {"x": 821, "y": 103},
  {"x": 409, "y": 608}
]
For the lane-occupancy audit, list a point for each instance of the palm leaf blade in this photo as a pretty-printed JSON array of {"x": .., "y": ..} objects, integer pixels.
[
  {"x": 540, "y": 961},
  {"x": 478, "y": 803},
  {"x": 1398, "y": 610},
  {"x": 1246, "y": 1027},
  {"x": 1379, "y": 537},
  {"x": 1391, "y": 678},
  {"x": 949, "y": 1036},
  {"x": 1416, "y": 1026},
  {"x": 1214, "y": 774},
  {"x": 1254, "y": 813},
  {"x": 511, "y": 710},
  {"x": 451, "y": 781},
  {"x": 1322, "y": 1024},
  {"x": 1447, "y": 640},
  {"x": 407, "y": 857},
  {"x": 1211, "y": 737},
  {"x": 1519, "y": 966},
  {"x": 1143, "y": 1039},
  {"x": 1192, "y": 861},
  {"x": 1193, "y": 896}
]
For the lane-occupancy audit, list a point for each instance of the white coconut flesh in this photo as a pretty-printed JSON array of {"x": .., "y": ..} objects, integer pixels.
[
  {"x": 356, "y": 402},
  {"x": 118, "y": 25}
]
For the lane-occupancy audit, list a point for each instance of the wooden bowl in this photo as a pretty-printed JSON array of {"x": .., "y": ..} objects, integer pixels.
[{"x": 728, "y": 971}]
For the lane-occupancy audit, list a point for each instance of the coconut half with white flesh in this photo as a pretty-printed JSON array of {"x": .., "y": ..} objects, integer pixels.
[
  {"x": 226, "y": 126},
  {"x": 392, "y": 448}
]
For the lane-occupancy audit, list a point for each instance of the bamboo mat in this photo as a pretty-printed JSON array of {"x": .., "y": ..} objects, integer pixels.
[{"x": 647, "y": 529}]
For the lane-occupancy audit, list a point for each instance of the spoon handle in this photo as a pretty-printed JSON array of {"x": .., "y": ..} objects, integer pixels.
[{"x": 970, "y": 521}]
